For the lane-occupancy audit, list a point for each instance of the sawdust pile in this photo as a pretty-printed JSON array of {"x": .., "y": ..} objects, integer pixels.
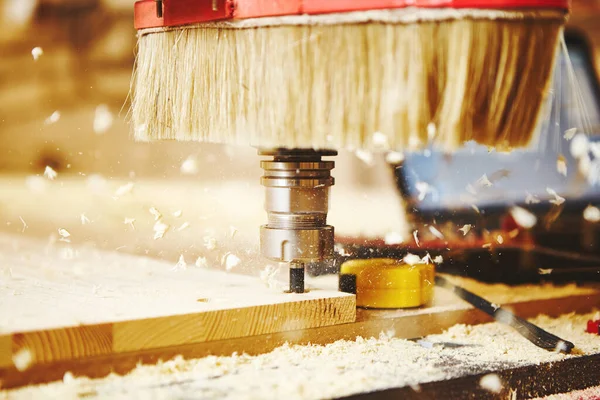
[
  {"x": 590, "y": 394},
  {"x": 337, "y": 369}
]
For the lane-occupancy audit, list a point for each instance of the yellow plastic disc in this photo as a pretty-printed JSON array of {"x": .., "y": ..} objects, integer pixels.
[{"x": 388, "y": 283}]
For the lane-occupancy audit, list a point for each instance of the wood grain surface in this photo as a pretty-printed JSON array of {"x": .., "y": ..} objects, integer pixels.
[
  {"x": 63, "y": 303},
  {"x": 91, "y": 312}
]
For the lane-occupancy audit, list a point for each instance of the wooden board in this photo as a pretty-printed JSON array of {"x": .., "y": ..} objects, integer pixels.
[
  {"x": 64, "y": 303},
  {"x": 454, "y": 360},
  {"x": 92, "y": 312}
]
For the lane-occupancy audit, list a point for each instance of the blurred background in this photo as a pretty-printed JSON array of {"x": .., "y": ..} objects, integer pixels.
[{"x": 64, "y": 83}]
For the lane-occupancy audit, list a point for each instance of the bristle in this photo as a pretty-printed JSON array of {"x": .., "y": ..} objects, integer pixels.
[{"x": 331, "y": 85}]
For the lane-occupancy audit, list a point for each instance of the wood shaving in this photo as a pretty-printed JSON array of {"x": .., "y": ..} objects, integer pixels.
[
  {"x": 210, "y": 242},
  {"x": 486, "y": 245},
  {"x": 484, "y": 181},
  {"x": 412, "y": 259},
  {"x": 531, "y": 199},
  {"x": 465, "y": 229},
  {"x": 84, "y": 219},
  {"x": 183, "y": 226},
  {"x": 499, "y": 175},
  {"x": 499, "y": 239},
  {"x": 25, "y": 226},
  {"x": 543, "y": 271},
  {"x": 393, "y": 238},
  {"x": 365, "y": 156},
  {"x": 591, "y": 214},
  {"x": 36, "y": 53},
  {"x": 423, "y": 189},
  {"x": 53, "y": 118},
  {"x": 561, "y": 165},
  {"x": 232, "y": 231},
  {"x": 103, "y": 119},
  {"x": 435, "y": 232},
  {"x": 426, "y": 259},
  {"x": 415, "y": 236},
  {"x": 579, "y": 145},
  {"x": 50, "y": 173},
  {"x": 491, "y": 383},
  {"x": 22, "y": 359},
  {"x": 475, "y": 208},
  {"x": 380, "y": 141},
  {"x": 570, "y": 133},
  {"x": 438, "y": 259},
  {"x": 160, "y": 228},
  {"x": 230, "y": 261},
  {"x": 155, "y": 213},
  {"x": 394, "y": 157},
  {"x": 414, "y": 143},
  {"x": 523, "y": 217},
  {"x": 189, "y": 166},
  {"x": 269, "y": 276},
  {"x": 181, "y": 264},
  {"x": 201, "y": 262},
  {"x": 130, "y": 222},
  {"x": 124, "y": 189},
  {"x": 177, "y": 214},
  {"x": 558, "y": 200},
  {"x": 431, "y": 131},
  {"x": 513, "y": 234},
  {"x": 68, "y": 378},
  {"x": 64, "y": 234}
]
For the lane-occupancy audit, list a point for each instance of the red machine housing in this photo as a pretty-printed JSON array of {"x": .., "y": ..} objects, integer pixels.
[{"x": 183, "y": 12}]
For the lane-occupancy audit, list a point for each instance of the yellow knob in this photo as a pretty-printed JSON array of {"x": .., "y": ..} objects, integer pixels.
[{"x": 388, "y": 283}]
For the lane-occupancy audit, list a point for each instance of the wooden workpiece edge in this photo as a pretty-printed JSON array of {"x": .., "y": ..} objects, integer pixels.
[
  {"x": 210, "y": 326},
  {"x": 5, "y": 351},
  {"x": 88, "y": 341},
  {"x": 368, "y": 324}
]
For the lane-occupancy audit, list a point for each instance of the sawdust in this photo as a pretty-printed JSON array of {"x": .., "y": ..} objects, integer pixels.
[
  {"x": 338, "y": 369},
  {"x": 53, "y": 118},
  {"x": 491, "y": 383},
  {"x": 36, "y": 53},
  {"x": 103, "y": 119},
  {"x": 189, "y": 166},
  {"x": 50, "y": 173},
  {"x": 590, "y": 393},
  {"x": 591, "y": 214},
  {"x": 22, "y": 359},
  {"x": 570, "y": 133}
]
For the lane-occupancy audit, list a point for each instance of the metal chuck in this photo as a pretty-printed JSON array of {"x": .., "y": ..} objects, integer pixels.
[{"x": 297, "y": 200}]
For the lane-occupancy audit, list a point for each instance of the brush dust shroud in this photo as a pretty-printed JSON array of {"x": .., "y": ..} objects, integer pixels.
[{"x": 328, "y": 76}]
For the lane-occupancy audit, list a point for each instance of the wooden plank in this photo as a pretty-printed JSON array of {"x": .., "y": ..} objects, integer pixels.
[
  {"x": 228, "y": 324},
  {"x": 5, "y": 351},
  {"x": 101, "y": 366},
  {"x": 370, "y": 323},
  {"x": 65, "y": 303},
  {"x": 64, "y": 344}
]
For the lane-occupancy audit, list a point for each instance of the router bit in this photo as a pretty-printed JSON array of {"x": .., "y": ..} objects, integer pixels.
[{"x": 297, "y": 186}]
